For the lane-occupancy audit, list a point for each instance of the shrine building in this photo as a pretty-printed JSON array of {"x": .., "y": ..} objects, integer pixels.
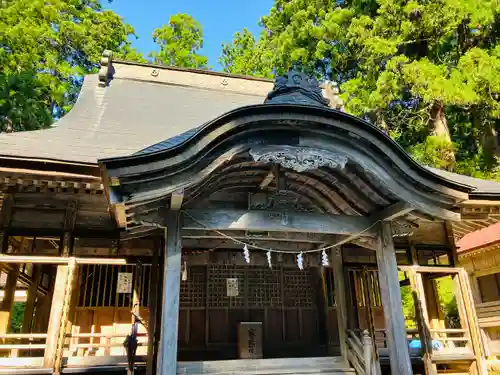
[{"x": 182, "y": 221}]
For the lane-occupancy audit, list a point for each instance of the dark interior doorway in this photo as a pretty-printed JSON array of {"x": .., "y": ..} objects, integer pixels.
[{"x": 290, "y": 304}]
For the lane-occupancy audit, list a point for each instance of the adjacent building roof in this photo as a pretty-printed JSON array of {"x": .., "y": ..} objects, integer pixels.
[{"x": 480, "y": 239}]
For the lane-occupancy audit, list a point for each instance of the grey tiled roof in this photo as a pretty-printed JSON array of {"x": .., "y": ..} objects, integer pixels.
[
  {"x": 479, "y": 185},
  {"x": 123, "y": 118}
]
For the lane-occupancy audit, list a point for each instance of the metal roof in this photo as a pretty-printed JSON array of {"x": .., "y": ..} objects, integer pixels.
[{"x": 125, "y": 117}]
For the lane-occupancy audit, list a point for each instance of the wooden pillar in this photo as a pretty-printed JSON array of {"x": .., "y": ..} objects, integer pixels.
[
  {"x": 391, "y": 298},
  {"x": 31, "y": 298},
  {"x": 59, "y": 313},
  {"x": 5, "y": 216},
  {"x": 153, "y": 309},
  {"x": 8, "y": 298},
  {"x": 472, "y": 322},
  {"x": 339, "y": 285},
  {"x": 417, "y": 286},
  {"x": 434, "y": 311},
  {"x": 167, "y": 359},
  {"x": 42, "y": 311}
]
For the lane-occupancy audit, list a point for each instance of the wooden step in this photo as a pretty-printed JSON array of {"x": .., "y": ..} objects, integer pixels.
[{"x": 278, "y": 366}]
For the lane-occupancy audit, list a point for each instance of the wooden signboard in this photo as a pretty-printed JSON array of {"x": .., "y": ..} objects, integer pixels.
[{"x": 250, "y": 340}]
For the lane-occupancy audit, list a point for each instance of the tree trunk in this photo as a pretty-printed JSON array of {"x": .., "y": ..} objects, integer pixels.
[
  {"x": 489, "y": 138},
  {"x": 439, "y": 124},
  {"x": 439, "y": 128},
  {"x": 490, "y": 141}
]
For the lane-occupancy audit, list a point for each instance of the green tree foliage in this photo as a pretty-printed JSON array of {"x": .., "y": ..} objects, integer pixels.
[
  {"x": 129, "y": 53},
  {"x": 179, "y": 41},
  {"x": 16, "y": 320},
  {"x": 424, "y": 71},
  {"x": 246, "y": 56},
  {"x": 46, "y": 46},
  {"x": 25, "y": 102}
]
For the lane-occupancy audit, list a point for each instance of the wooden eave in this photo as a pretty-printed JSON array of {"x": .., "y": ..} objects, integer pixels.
[{"x": 217, "y": 154}]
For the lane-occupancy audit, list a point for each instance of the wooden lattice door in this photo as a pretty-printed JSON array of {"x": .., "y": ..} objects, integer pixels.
[{"x": 285, "y": 300}]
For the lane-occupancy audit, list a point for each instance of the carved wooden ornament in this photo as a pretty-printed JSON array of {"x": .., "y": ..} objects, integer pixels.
[{"x": 299, "y": 159}]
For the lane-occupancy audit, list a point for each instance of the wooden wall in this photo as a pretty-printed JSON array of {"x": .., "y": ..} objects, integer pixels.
[{"x": 483, "y": 268}]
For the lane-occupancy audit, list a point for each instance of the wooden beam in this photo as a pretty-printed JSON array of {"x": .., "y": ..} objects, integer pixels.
[
  {"x": 391, "y": 299},
  {"x": 260, "y": 236},
  {"x": 393, "y": 212},
  {"x": 16, "y": 259},
  {"x": 267, "y": 180},
  {"x": 176, "y": 199},
  {"x": 167, "y": 361},
  {"x": 274, "y": 221}
]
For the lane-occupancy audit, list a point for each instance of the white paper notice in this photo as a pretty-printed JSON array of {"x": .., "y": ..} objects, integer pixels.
[
  {"x": 232, "y": 287},
  {"x": 124, "y": 282}
]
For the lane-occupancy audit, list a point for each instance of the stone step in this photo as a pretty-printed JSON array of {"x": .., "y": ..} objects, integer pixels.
[
  {"x": 278, "y": 366},
  {"x": 333, "y": 372}
]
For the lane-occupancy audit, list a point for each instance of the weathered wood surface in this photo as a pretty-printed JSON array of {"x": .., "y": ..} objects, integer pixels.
[
  {"x": 59, "y": 313},
  {"x": 167, "y": 356},
  {"x": 56, "y": 313},
  {"x": 393, "y": 307},
  {"x": 260, "y": 235},
  {"x": 273, "y": 221},
  {"x": 470, "y": 311},
  {"x": 339, "y": 285},
  {"x": 154, "y": 299}
]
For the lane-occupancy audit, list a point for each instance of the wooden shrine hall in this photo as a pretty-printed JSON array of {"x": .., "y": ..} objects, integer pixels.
[{"x": 192, "y": 222}]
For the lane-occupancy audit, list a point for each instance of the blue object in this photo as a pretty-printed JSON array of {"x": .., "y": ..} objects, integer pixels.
[{"x": 417, "y": 344}]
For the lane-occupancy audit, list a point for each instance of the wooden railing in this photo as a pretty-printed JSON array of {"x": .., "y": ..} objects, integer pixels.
[
  {"x": 449, "y": 343},
  {"x": 360, "y": 353},
  {"x": 92, "y": 342},
  {"x": 15, "y": 342},
  {"x": 488, "y": 314}
]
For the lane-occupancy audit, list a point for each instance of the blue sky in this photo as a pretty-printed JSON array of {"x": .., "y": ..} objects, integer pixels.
[{"x": 220, "y": 19}]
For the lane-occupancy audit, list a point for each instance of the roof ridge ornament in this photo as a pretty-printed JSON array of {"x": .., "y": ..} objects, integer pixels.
[
  {"x": 106, "y": 71},
  {"x": 296, "y": 88}
]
